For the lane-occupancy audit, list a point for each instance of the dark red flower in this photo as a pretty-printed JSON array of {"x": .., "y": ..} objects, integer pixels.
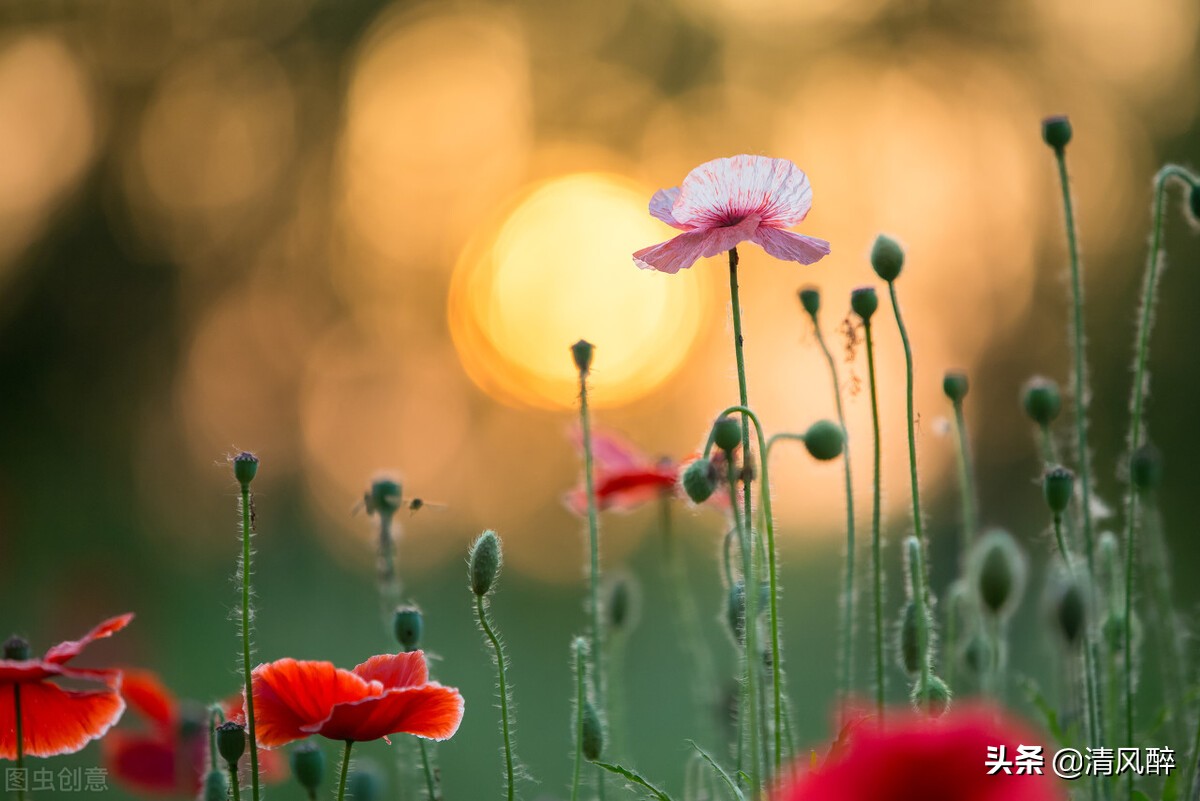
[
  {"x": 56, "y": 721},
  {"x": 168, "y": 755},
  {"x": 388, "y": 694},
  {"x": 931, "y": 759}
]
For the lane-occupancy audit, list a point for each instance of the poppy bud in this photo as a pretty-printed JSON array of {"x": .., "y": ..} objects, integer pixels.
[
  {"x": 1145, "y": 469},
  {"x": 1070, "y": 611},
  {"x": 1056, "y": 131},
  {"x": 977, "y": 655},
  {"x": 864, "y": 302},
  {"x": 1042, "y": 400},
  {"x": 365, "y": 783},
  {"x": 216, "y": 786},
  {"x": 824, "y": 440},
  {"x": 593, "y": 733},
  {"x": 245, "y": 468},
  {"x": 484, "y": 562},
  {"x": 622, "y": 606},
  {"x": 308, "y": 766},
  {"x": 887, "y": 258},
  {"x": 408, "y": 625},
  {"x": 384, "y": 496},
  {"x": 810, "y": 299},
  {"x": 582, "y": 351},
  {"x": 955, "y": 385},
  {"x": 231, "y": 741},
  {"x": 999, "y": 572},
  {"x": 910, "y": 639},
  {"x": 16, "y": 648},
  {"x": 937, "y": 696},
  {"x": 1058, "y": 485},
  {"x": 727, "y": 433},
  {"x": 699, "y": 480}
]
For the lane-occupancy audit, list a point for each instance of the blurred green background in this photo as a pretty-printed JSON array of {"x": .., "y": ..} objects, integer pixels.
[{"x": 359, "y": 236}]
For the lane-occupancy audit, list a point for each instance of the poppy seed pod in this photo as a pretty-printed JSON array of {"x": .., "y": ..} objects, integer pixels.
[
  {"x": 231, "y": 741},
  {"x": 824, "y": 440},
  {"x": 593, "y": 733},
  {"x": 955, "y": 385},
  {"x": 1058, "y": 485},
  {"x": 1042, "y": 400},
  {"x": 1145, "y": 468},
  {"x": 1056, "y": 131},
  {"x": 245, "y": 468},
  {"x": 408, "y": 625},
  {"x": 582, "y": 352},
  {"x": 699, "y": 480},
  {"x": 999, "y": 570},
  {"x": 216, "y": 786},
  {"x": 864, "y": 302},
  {"x": 937, "y": 696},
  {"x": 484, "y": 562},
  {"x": 384, "y": 496},
  {"x": 727, "y": 433},
  {"x": 16, "y": 648},
  {"x": 308, "y": 765},
  {"x": 810, "y": 299},
  {"x": 887, "y": 258}
]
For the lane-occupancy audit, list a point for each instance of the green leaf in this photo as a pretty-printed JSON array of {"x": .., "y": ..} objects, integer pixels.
[
  {"x": 635, "y": 778},
  {"x": 1171, "y": 787},
  {"x": 729, "y": 782},
  {"x": 1048, "y": 712}
]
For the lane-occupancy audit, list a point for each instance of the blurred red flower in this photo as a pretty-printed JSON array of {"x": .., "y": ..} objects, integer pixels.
[
  {"x": 932, "y": 759},
  {"x": 56, "y": 721},
  {"x": 387, "y": 694},
  {"x": 168, "y": 756},
  {"x": 625, "y": 477}
]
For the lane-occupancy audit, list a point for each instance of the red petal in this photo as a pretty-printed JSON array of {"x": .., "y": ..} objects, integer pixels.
[
  {"x": 292, "y": 696},
  {"x": 56, "y": 721},
  {"x": 145, "y": 693},
  {"x": 70, "y": 649},
  {"x": 145, "y": 764},
  {"x": 431, "y": 711},
  {"x": 394, "y": 671}
]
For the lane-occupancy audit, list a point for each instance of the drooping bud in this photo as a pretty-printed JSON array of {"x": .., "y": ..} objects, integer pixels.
[
  {"x": 216, "y": 786},
  {"x": 1145, "y": 468},
  {"x": 727, "y": 433},
  {"x": 365, "y": 783},
  {"x": 384, "y": 497},
  {"x": 593, "y": 733},
  {"x": 621, "y": 607},
  {"x": 245, "y": 468},
  {"x": 1056, "y": 131},
  {"x": 1058, "y": 485},
  {"x": 699, "y": 480},
  {"x": 484, "y": 562},
  {"x": 582, "y": 352},
  {"x": 1042, "y": 400},
  {"x": 864, "y": 302},
  {"x": 887, "y": 258},
  {"x": 408, "y": 625},
  {"x": 955, "y": 385},
  {"x": 824, "y": 440},
  {"x": 16, "y": 648},
  {"x": 308, "y": 766},
  {"x": 999, "y": 569},
  {"x": 231, "y": 741},
  {"x": 810, "y": 299},
  {"x": 936, "y": 698}
]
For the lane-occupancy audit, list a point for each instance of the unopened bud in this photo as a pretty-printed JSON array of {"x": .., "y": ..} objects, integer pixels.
[
  {"x": 231, "y": 741},
  {"x": 593, "y": 733},
  {"x": 977, "y": 655},
  {"x": 365, "y": 783},
  {"x": 1070, "y": 611},
  {"x": 245, "y": 468},
  {"x": 1042, "y": 400},
  {"x": 810, "y": 299},
  {"x": 408, "y": 625},
  {"x": 910, "y": 639},
  {"x": 1056, "y": 131},
  {"x": 621, "y": 606},
  {"x": 955, "y": 385},
  {"x": 308, "y": 766},
  {"x": 1145, "y": 468},
  {"x": 864, "y": 302},
  {"x": 727, "y": 433},
  {"x": 1194, "y": 203},
  {"x": 484, "y": 562},
  {"x": 999, "y": 572},
  {"x": 824, "y": 440},
  {"x": 887, "y": 258},
  {"x": 935, "y": 699},
  {"x": 216, "y": 786},
  {"x": 582, "y": 352},
  {"x": 699, "y": 480},
  {"x": 1058, "y": 485}
]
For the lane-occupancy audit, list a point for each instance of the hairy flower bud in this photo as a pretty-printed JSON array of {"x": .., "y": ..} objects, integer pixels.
[
  {"x": 937, "y": 696},
  {"x": 408, "y": 625},
  {"x": 365, "y": 783},
  {"x": 384, "y": 496},
  {"x": 699, "y": 480},
  {"x": 593, "y": 733},
  {"x": 887, "y": 258},
  {"x": 1070, "y": 611},
  {"x": 582, "y": 352},
  {"x": 1145, "y": 468},
  {"x": 216, "y": 786},
  {"x": 621, "y": 605},
  {"x": 864, "y": 302},
  {"x": 955, "y": 385},
  {"x": 484, "y": 562},
  {"x": 308, "y": 765},
  {"x": 999, "y": 569},
  {"x": 1056, "y": 131},
  {"x": 910, "y": 639},
  {"x": 727, "y": 433},
  {"x": 824, "y": 440},
  {"x": 1042, "y": 400}
]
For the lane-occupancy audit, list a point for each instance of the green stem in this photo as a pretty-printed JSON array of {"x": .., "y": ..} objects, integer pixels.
[
  {"x": 748, "y": 714},
  {"x": 876, "y": 514},
  {"x": 848, "y": 590},
  {"x": 345, "y": 771},
  {"x": 916, "y": 564},
  {"x": 246, "y": 635},
  {"x": 1049, "y": 450},
  {"x": 923, "y": 687},
  {"x": 580, "y": 703},
  {"x": 20, "y": 740},
  {"x": 430, "y": 782},
  {"x": 966, "y": 481},
  {"x": 1157, "y": 575},
  {"x": 233, "y": 781},
  {"x": 481, "y": 611}
]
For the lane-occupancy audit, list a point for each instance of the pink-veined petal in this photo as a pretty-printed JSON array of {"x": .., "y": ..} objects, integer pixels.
[
  {"x": 683, "y": 251},
  {"x": 789, "y": 246},
  {"x": 724, "y": 191},
  {"x": 661, "y": 205}
]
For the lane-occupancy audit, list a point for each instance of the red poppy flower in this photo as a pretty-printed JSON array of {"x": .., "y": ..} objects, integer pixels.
[
  {"x": 388, "y": 694},
  {"x": 168, "y": 756},
  {"x": 56, "y": 721},
  {"x": 933, "y": 759},
  {"x": 624, "y": 477}
]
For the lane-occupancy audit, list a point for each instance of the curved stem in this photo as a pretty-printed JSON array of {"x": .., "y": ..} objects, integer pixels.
[
  {"x": 345, "y": 771},
  {"x": 481, "y": 611},
  {"x": 246, "y": 636},
  {"x": 876, "y": 502}
]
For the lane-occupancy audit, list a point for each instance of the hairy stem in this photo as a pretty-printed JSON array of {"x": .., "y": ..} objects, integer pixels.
[
  {"x": 246, "y": 638},
  {"x": 506, "y": 729},
  {"x": 580, "y": 703},
  {"x": 876, "y": 556},
  {"x": 345, "y": 771}
]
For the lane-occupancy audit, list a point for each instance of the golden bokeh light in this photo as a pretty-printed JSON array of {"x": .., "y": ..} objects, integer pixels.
[{"x": 558, "y": 268}]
